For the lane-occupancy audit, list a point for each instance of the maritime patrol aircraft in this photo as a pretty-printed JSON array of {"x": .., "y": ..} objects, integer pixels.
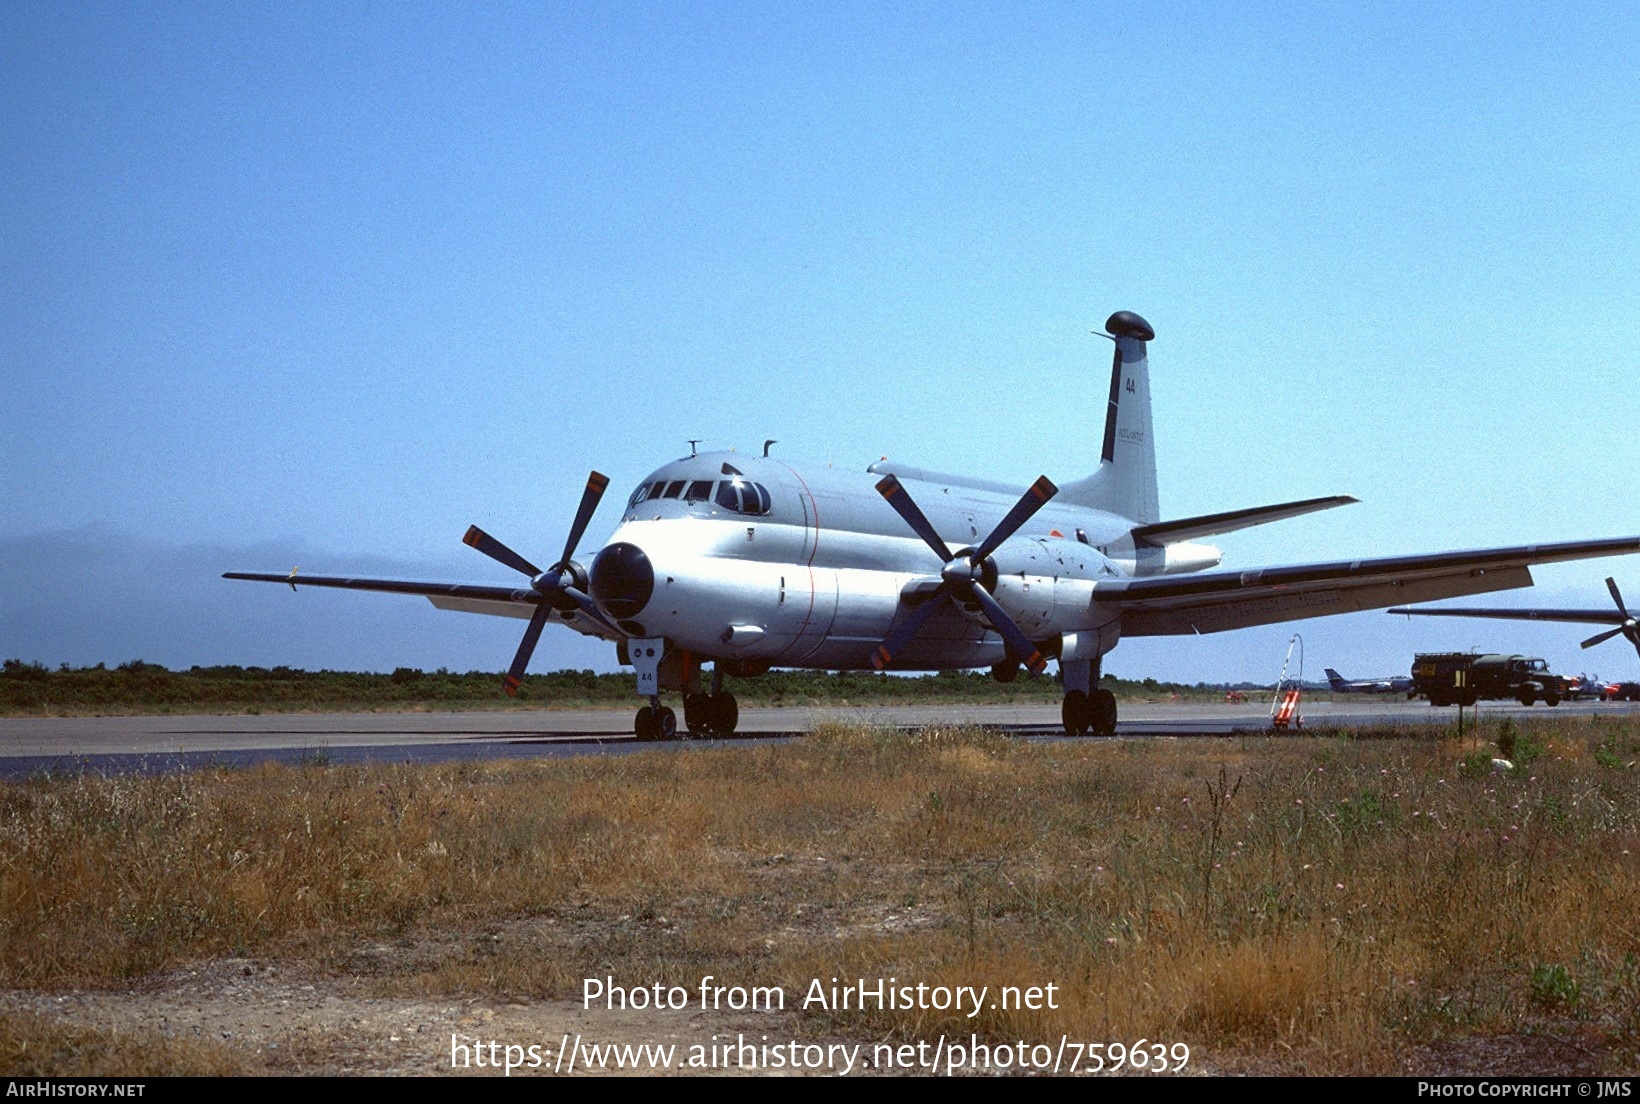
[
  {"x": 747, "y": 562},
  {"x": 1389, "y": 684}
]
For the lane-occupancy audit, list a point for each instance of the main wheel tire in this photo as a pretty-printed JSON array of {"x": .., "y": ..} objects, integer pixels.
[
  {"x": 1102, "y": 713},
  {"x": 1075, "y": 713},
  {"x": 667, "y": 722},
  {"x": 697, "y": 714},
  {"x": 725, "y": 713},
  {"x": 645, "y": 725}
]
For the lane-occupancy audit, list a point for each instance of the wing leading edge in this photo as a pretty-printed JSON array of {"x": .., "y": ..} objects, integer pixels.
[
  {"x": 1222, "y": 600},
  {"x": 464, "y": 597},
  {"x": 1572, "y": 616}
]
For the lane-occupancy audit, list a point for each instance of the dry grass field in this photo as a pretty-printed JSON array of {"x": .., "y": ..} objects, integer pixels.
[{"x": 1387, "y": 903}]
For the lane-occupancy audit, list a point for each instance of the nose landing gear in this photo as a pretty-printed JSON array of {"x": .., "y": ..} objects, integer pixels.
[{"x": 656, "y": 722}]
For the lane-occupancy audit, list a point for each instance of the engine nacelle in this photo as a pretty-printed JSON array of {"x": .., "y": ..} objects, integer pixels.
[{"x": 1046, "y": 586}]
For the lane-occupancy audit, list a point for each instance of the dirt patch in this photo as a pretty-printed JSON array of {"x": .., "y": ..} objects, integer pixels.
[{"x": 291, "y": 1020}]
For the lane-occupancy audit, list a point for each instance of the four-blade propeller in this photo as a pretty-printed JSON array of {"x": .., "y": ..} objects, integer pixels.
[
  {"x": 561, "y": 587},
  {"x": 965, "y": 574},
  {"x": 1629, "y": 628}
]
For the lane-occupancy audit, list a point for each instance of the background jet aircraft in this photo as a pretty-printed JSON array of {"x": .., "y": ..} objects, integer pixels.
[
  {"x": 1623, "y": 621},
  {"x": 1390, "y": 684},
  {"x": 747, "y": 562}
]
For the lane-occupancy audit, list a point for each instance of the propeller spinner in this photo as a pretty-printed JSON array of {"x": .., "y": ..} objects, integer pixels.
[
  {"x": 964, "y": 576},
  {"x": 560, "y": 587},
  {"x": 1629, "y": 628}
]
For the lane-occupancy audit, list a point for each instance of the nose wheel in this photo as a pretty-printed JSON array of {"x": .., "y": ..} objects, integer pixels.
[{"x": 656, "y": 723}]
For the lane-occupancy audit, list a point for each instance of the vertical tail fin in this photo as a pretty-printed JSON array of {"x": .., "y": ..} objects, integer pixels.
[{"x": 1125, "y": 482}]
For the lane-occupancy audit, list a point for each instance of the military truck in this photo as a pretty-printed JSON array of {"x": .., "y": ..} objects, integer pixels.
[{"x": 1463, "y": 678}]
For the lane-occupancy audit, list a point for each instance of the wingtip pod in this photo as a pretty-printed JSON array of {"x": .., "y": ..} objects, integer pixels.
[{"x": 1128, "y": 324}]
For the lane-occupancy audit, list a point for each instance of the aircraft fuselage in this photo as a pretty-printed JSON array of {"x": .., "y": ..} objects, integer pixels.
[{"x": 815, "y": 576}]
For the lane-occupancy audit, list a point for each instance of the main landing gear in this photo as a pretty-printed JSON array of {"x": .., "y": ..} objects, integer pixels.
[
  {"x": 711, "y": 714},
  {"x": 1088, "y": 714},
  {"x": 1087, "y": 710}
]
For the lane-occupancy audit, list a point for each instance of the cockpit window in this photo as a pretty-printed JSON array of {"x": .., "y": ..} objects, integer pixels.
[
  {"x": 699, "y": 491},
  {"x": 638, "y": 495},
  {"x": 673, "y": 489},
  {"x": 743, "y": 496}
]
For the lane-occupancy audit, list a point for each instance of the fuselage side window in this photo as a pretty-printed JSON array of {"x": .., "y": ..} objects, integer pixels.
[
  {"x": 699, "y": 491},
  {"x": 673, "y": 489}
]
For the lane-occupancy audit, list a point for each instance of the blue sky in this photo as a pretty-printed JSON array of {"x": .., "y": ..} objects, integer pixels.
[{"x": 323, "y": 285}]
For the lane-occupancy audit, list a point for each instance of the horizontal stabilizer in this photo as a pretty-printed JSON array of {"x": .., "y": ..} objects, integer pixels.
[{"x": 1207, "y": 525}]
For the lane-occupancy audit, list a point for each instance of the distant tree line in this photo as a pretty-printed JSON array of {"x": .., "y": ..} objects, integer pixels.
[{"x": 139, "y": 686}]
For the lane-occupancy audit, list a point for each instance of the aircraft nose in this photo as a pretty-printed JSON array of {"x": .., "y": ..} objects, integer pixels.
[{"x": 622, "y": 580}]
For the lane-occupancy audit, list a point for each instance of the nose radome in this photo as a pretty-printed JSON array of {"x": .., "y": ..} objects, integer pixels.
[{"x": 622, "y": 580}]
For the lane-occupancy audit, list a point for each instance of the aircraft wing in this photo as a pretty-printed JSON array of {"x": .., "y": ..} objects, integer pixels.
[
  {"x": 1576, "y": 616},
  {"x": 1220, "y": 600},
  {"x": 465, "y": 597}
]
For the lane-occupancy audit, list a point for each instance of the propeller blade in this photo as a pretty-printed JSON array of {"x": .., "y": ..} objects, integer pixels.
[
  {"x": 899, "y": 498},
  {"x": 479, "y": 539},
  {"x": 1034, "y": 499},
  {"x": 526, "y": 647},
  {"x": 597, "y": 482},
  {"x": 1601, "y": 638},
  {"x": 898, "y": 638},
  {"x": 1018, "y": 642},
  {"x": 1611, "y": 585}
]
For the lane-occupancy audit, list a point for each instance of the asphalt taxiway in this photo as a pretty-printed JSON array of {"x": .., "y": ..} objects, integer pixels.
[{"x": 30, "y": 745}]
